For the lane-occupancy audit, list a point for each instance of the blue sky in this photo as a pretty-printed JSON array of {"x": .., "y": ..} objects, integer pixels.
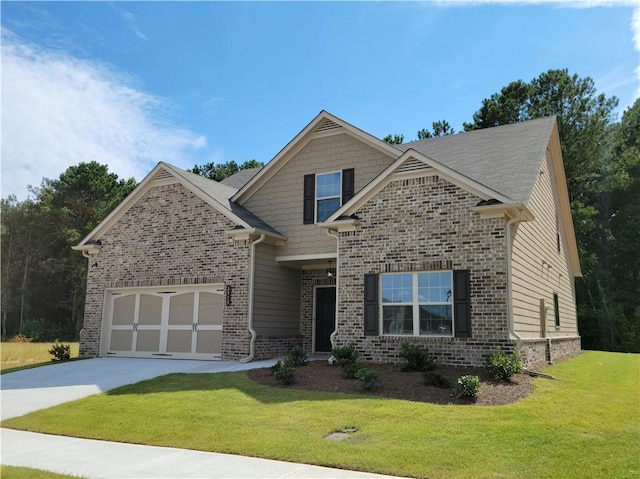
[{"x": 131, "y": 84}]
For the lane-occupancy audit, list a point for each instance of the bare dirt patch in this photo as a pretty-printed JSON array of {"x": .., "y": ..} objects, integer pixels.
[{"x": 394, "y": 383}]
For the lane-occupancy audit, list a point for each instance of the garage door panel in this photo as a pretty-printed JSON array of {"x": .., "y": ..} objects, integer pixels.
[
  {"x": 209, "y": 342},
  {"x": 179, "y": 341},
  {"x": 124, "y": 310},
  {"x": 148, "y": 341},
  {"x": 150, "y": 313},
  {"x": 210, "y": 309},
  {"x": 121, "y": 340},
  {"x": 181, "y": 309}
]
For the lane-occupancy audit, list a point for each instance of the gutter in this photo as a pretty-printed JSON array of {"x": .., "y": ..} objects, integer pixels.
[
  {"x": 332, "y": 336},
  {"x": 522, "y": 213},
  {"x": 252, "y": 267}
]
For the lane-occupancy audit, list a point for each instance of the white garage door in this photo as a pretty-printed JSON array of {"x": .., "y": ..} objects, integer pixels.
[{"x": 182, "y": 322}]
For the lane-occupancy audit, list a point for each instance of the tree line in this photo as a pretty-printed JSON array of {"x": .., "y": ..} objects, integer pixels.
[{"x": 43, "y": 280}]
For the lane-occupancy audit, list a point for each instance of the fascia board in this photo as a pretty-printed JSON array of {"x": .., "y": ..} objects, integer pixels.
[
  {"x": 565, "y": 204},
  {"x": 299, "y": 142},
  {"x": 384, "y": 178}
]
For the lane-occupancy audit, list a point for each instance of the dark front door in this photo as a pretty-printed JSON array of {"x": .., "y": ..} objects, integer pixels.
[{"x": 325, "y": 317}]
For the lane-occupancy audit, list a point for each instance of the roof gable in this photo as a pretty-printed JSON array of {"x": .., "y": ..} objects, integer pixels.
[
  {"x": 213, "y": 193},
  {"x": 324, "y": 124}
]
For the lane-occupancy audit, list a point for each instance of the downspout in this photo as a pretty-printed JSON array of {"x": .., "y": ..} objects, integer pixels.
[
  {"x": 332, "y": 336},
  {"x": 252, "y": 267},
  {"x": 512, "y": 330}
]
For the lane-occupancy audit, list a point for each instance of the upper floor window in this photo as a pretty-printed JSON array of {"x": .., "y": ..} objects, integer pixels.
[
  {"x": 325, "y": 193},
  {"x": 328, "y": 194}
]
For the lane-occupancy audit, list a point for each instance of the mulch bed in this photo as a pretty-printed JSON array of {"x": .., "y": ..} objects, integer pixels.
[{"x": 394, "y": 383}]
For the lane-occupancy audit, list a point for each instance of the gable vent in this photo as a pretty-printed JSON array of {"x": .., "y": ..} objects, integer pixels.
[
  {"x": 162, "y": 174},
  {"x": 412, "y": 165},
  {"x": 327, "y": 125}
]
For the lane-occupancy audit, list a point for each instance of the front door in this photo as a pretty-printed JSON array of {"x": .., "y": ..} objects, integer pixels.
[{"x": 325, "y": 317}]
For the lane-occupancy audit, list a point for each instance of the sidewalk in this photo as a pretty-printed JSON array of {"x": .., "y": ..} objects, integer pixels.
[{"x": 112, "y": 460}]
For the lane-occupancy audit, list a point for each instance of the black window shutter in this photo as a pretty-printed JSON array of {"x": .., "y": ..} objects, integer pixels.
[
  {"x": 371, "y": 304},
  {"x": 462, "y": 303},
  {"x": 347, "y": 185},
  {"x": 309, "y": 199}
]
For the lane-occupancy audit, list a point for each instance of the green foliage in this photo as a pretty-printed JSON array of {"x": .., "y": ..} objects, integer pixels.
[
  {"x": 503, "y": 366},
  {"x": 345, "y": 354},
  {"x": 60, "y": 352},
  {"x": 284, "y": 372},
  {"x": 368, "y": 378},
  {"x": 440, "y": 128},
  {"x": 349, "y": 370},
  {"x": 297, "y": 357},
  {"x": 220, "y": 171},
  {"x": 432, "y": 378},
  {"x": 394, "y": 139},
  {"x": 467, "y": 386},
  {"x": 417, "y": 358}
]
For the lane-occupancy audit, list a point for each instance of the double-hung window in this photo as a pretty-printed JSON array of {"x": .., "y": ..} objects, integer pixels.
[
  {"x": 328, "y": 194},
  {"x": 417, "y": 304}
]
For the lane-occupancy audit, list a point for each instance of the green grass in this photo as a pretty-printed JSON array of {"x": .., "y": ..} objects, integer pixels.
[
  {"x": 17, "y": 356},
  {"x": 586, "y": 423},
  {"x": 13, "y": 472}
]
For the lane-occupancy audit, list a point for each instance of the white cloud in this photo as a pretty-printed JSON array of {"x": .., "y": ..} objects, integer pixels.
[
  {"x": 58, "y": 111},
  {"x": 130, "y": 20}
]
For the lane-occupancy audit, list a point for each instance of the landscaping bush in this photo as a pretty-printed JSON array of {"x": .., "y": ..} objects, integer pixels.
[
  {"x": 284, "y": 372},
  {"x": 60, "y": 352},
  {"x": 20, "y": 338},
  {"x": 503, "y": 366},
  {"x": 417, "y": 358},
  {"x": 432, "y": 378},
  {"x": 345, "y": 355},
  {"x": 349, "y": 370},
  {"x": 467, "y": 387},
  {"x": 368, "y": 377},
  {"x": 297, "y": 357}
]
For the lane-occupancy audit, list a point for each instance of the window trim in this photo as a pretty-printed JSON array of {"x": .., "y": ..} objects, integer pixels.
[
  {"x": 416, "y": 303},
  {"x": 316, "y": 198}
]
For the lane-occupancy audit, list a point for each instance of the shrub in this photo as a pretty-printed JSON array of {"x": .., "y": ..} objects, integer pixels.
[
  {"x": 60, "y": 352},
  {"x": 436, "y": 379},
  {"x": 284, "y": 372},
  {"x": 417, "y": 358},
  {"x": 349, "y": 370},
  {"x": 297, "y": 357},
  {"x": 20, "y": 338},
  {"x": 345, "y": 355},
  {"x": 467, "y": 386},
  {"x": 368, "y": 377},
  {"x": 503, "y": 366}
]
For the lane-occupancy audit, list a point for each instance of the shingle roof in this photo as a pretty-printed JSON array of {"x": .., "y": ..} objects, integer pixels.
[
  {"x": 504, "y": 158},
  {"x": 239, "y": 179}
]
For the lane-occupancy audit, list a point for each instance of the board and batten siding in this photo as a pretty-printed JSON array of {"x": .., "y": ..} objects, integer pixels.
[
  {"x": 276, "y": 295},
  {"x": 279, "y": 202},
  {"x": 538, "y": 269}
]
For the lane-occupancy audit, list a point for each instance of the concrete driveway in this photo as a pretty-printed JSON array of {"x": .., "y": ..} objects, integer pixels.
[{"x": 39, "y": 388}]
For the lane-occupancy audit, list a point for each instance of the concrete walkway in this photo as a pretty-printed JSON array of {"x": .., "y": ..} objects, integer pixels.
[{"x": 33, "y": 389}]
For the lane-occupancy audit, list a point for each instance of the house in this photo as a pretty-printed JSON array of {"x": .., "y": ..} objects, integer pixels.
[{"x": 459, "y": 243}]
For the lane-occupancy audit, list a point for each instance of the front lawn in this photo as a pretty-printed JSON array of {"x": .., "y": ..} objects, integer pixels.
[
  {"x": 586, "y": 423},
  {"x": 13, "y": 472},
  {"x": 16, "y": 356}
]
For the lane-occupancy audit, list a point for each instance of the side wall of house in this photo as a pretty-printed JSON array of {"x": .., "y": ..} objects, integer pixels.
[
  {"x": 425, "y": 224},
  {"x": 276, "y": 310},
  {"x": 170, "y": 237},
  {"x": 280, "y": 201},
  {"x": 541, "y": 265}
]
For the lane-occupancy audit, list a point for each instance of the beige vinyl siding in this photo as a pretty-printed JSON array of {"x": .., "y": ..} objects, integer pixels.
[
  {"x": 279, "y": 201},
  {"x": 276, "y": 295},
  {"x": 539, "y": 270}
]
